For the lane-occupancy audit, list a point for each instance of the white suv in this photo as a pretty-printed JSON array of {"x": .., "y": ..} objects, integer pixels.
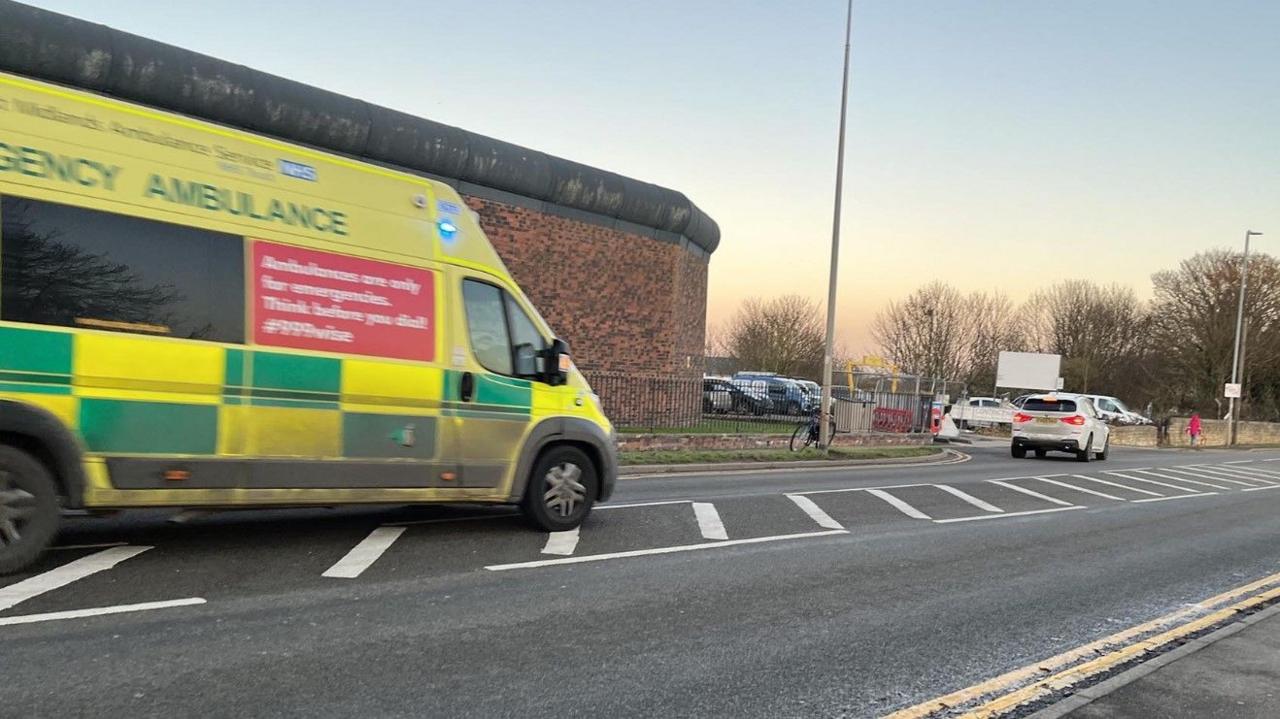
[{"x": 1059, "y": 423}]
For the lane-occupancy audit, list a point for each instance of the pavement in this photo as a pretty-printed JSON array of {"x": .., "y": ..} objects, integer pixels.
[
  {"x": 842, "y": 592},
  {"x": 1234, "y": 676}
]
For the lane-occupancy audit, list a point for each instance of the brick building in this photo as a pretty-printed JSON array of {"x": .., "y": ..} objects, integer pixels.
[{"x": 616, "y": 265}]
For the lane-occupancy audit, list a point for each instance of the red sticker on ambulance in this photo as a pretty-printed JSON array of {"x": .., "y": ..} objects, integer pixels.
[{"x": 306, "y": 299}]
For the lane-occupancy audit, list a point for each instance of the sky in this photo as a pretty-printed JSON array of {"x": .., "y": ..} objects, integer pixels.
[{"x": 995, "y": 145}]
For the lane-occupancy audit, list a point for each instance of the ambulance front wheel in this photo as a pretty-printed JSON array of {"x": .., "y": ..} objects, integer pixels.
[{"x": 561, "y": 490}]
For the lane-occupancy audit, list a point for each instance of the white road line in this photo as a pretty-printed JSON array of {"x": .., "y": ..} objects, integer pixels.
[
  {"x": 1258, "y": 489},
  {"x": 1273, "y": 459},
  {"x": 709, "y": 521},
  {"x": 1214, "y": 477},
  {"x": 1117, "y": 484},
  {"x": 1080, "y": 489},
  {"x": 1029, "y": 492},
  {"x": 364, "y": 554},
  {"x": 1240, "y": 461},
  {"x": 1252, "y": 475},
  {"x": 1151, "y": 481},
  {"x": 815, "y": 512},
  {"x": 562, "y": 543},
  {"x": 641, "y": 504},
  {"x": 1180, "y": 496},
  {"x": 660, "y": 550},
  {"x": 984, "y": 506},
  {"x": 66, "y": 574},
  {"x": 187, "y": 515},
  {"x": 98, "y": 612},
  {"x": 1006, "y": 515},
  {"x": 1259, "y": 470},
  {"x": 1229, "y": 472},
  {"x": 898, "y": 504},
  {"x": 1182, "y": 479}
]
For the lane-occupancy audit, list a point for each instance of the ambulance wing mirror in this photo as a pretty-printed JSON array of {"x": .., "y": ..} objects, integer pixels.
[
  {"x": 527, "y": 361},
  {"x": 556, "y": 362}
]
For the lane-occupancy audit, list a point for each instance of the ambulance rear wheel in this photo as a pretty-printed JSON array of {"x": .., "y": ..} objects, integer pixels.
[
  {"x": 562, "y": 489},
  {"x": 29, "y": 510}
]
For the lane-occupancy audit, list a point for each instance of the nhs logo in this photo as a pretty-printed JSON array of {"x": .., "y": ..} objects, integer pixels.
[{"x": 297, "y": 170}]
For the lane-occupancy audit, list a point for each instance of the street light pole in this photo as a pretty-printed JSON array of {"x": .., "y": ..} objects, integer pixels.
[
  {"x": 824, "y": 412},
  {"x": 1235, "y": 355}
]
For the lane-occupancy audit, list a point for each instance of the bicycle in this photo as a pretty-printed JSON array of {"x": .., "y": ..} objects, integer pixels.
[{"x": 809, "y": 433}]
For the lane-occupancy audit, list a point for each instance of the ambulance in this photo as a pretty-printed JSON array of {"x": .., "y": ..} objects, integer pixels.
[{"x": 197, "y": 316}]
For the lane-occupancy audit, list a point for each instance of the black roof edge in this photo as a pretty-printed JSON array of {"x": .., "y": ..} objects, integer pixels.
[{"x": 57, "y": 48}]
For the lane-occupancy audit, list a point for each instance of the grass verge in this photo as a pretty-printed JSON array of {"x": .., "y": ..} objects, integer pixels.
[{"x": 712, "y": 456}]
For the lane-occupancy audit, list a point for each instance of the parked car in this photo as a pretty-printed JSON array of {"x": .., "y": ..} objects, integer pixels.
[
  {"x": 1112, "y": 410},
  {"x": 1109, "y": 409},
  {"x": 721, "y": 396},
  {"x": 980, "y": 402},
  {"x": 785, "y": 394},
  {"x": 1059, "y": 423},
  {"x": 812, "y": 393}
]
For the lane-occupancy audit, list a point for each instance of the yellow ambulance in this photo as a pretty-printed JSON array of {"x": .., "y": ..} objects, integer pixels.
[{"x": 195, "y": 316}]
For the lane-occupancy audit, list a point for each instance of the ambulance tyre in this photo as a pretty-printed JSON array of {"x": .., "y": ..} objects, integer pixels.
[
  {"x": 29, "y": 510},
  {"x": 561, "y": 490}
]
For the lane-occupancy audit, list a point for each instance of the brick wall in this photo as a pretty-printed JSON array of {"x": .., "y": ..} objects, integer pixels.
[
  {"x": 1143, "y": 436},
  {"x": 632, "y": 308},
  {"x": 1215, "y": 432},
  {"x": 623, "y": 302}
]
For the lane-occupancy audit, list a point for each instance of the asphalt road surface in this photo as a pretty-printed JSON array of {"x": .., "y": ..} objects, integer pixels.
[{"x": 848, "y": 592}]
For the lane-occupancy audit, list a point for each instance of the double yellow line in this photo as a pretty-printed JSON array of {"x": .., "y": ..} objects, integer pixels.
[{"x": 1008, "y": 691}]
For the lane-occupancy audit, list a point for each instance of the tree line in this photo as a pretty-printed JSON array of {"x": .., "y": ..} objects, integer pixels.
[{"x": 1172, "y": 352}]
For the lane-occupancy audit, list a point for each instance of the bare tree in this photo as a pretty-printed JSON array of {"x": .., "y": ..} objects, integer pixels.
[
  {"x": 993, "y": 327},
  {"x": 1096, "y": 330},
  {"x": 938, "y": 332},
  {"x": 784, "y": 335},
  {"x": 1193, "y": 330},
  {"x": 927, "y": 333}
]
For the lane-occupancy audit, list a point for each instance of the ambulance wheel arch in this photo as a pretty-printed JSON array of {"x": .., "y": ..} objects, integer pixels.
[
  {"x": 575, "y": 432},
  {"x": 40, "y": 434}
]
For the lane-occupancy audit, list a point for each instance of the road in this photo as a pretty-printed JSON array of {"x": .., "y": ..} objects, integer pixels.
[{"x": 850, "y": 592}]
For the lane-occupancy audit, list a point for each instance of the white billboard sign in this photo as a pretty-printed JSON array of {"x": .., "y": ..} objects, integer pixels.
[
  {"x": 1232, "y": 390},
  {"x": 1028, "y": 370}
]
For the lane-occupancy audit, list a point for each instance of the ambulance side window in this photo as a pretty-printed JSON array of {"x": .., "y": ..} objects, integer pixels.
[
  {"x": 523, "y": 330},
  {"x": 487, "y": 325}
]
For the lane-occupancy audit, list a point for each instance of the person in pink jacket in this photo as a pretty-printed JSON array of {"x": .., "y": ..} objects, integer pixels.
[{"x": 1193, "y": 429}]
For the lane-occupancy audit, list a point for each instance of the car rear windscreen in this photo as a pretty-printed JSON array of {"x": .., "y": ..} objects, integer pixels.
[{"x": 1042, "y": 405}]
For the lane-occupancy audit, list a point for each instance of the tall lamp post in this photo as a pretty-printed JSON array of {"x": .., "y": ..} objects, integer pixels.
[
  {"x": 1235, "y": 355},
  {"x": 824, "y": 412}
]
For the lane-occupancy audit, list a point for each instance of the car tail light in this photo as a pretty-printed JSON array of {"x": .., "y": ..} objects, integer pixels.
[
  {"x": 1020, "y": 417},
  {"x": 1075, "y": 420}
]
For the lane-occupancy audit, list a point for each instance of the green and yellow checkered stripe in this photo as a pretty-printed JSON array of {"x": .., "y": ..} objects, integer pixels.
[{"x": 131, "y": 395}]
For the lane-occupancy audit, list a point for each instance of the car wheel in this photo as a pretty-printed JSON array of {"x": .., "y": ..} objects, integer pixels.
[
  {"x": 1040, "y": 453},
  {"x": 1018, "y": 451},
  {"x": 1086, "y": 454},
  {"x": 794, "y": 409},
  {"x": 562, "y": 489},
  {"x": 1106, "y": 448},
  {"x": 29, "y": 510}
]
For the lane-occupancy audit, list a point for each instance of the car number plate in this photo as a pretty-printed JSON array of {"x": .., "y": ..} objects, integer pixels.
[{"x": 1046, "y": 420}]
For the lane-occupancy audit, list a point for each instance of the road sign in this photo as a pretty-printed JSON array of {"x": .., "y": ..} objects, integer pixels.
[
  {"x": 1028, "y": 370},
  {"x": 1231, "y": 391}
]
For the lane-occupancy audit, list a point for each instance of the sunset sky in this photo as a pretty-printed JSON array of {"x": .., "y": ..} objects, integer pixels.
[{"x": 996, "y": 145}]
